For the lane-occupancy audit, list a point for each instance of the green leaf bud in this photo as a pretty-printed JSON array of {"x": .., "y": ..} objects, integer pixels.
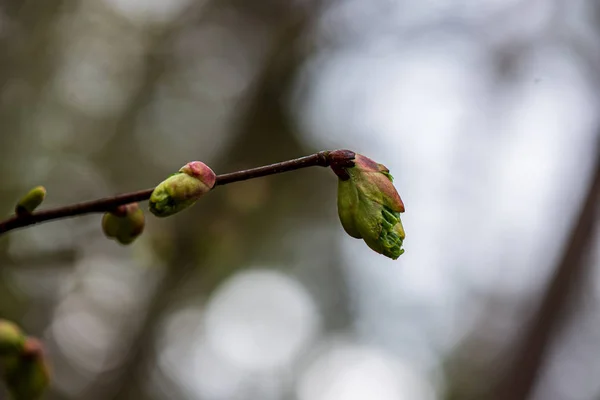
[
  {"x": 369, "y": 206},
  {"x": 182, "y": 189},
  {"x": 124, "y": 224},
  {"x": 12, "y": 338},
  {"x": 31, "y": 201},
  {"x": 27, "y": 376}
]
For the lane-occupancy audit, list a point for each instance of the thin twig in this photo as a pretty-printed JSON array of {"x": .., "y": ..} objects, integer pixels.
[{"x": 335, "y": 159}]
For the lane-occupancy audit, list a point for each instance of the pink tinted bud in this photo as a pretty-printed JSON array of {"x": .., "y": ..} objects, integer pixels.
[
  {"x": 182, "y": 190},
  {"x": 27, "y": 375},
  {"x": 124, "y": 224}
]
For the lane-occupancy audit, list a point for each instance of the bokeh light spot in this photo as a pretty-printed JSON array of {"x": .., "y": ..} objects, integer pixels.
[{"x": 261, "y": 320}]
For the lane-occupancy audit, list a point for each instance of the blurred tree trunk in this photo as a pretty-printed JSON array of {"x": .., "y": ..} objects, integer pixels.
[{"x": 531, "y": 350}]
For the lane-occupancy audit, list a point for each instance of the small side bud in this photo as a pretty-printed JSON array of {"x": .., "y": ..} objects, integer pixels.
[
  {"x": 28, "y": 375},
  {"x": 31, "y": 201},
  {"x": 182, "y": 189},
  {"x": 124, "y": 224},
  {"x": 12, "y": 338}
]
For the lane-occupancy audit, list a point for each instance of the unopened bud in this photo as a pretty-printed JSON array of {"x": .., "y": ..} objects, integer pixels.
[
  {"x": 182, "y": 189},
  {"x": 31, "y": 201},
  {"x": 124, "y": 224},
  {"x": 369, "y": 206},
  {"x": 27, "y": 376},
  {"x": 12, "y": 338}
]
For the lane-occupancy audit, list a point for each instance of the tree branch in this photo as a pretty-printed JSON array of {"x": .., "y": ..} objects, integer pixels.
[
  {"x": 336, "y": 159},
  {"x": 534, "y": 345}
]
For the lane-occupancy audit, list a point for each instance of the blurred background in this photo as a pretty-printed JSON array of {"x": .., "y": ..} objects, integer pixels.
[{"x": 486, "y": 112}]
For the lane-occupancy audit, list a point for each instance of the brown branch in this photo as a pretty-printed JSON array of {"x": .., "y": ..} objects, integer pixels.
[
  {"x": 533, "y": 346},
  {"x": 335, "y": 159}
]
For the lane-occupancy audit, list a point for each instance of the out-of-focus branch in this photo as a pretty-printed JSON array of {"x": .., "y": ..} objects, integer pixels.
[{"x": 533, "y": 346}]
